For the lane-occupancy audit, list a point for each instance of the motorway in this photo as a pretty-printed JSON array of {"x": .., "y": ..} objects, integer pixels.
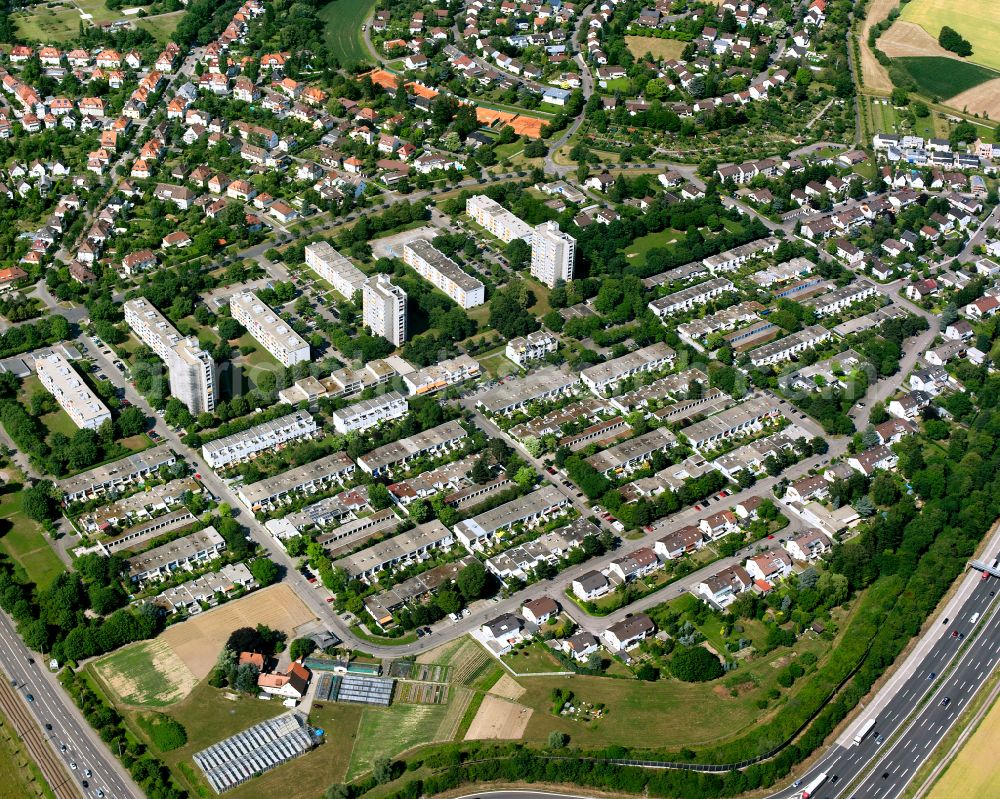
[{"x": 50, "y": 704}]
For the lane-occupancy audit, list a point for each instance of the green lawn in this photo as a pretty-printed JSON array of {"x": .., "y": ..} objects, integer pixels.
[
  {"x": 344, "y": 19},
  {"x": 945, "y": 77},
  {"x": 636, "y": 251},
  {"x": 534, "y": 658},
  {"x": 162, "y": 25},
  {"x": 60, "y": 23},
  {"x": 616, "y": 85},
  {"x": 392, "y": 730},
  {"x": 25, "y": 541}
]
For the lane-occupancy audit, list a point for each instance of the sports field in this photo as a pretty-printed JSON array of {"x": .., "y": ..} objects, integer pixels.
[
  {"x": 975, "y": 20},
  {"x": 975, "y": 770},
  {"x": 344, "y": 19},
  {"x": 664, "y": 49}
]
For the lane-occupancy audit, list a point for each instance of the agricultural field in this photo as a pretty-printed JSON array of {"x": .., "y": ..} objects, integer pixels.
[
  {"x": 945, "y": 77},
  {"x": 983, "y": 99},
  {"x": 904, "y": 39},
  {"x": 24, "y": 540},
  {"x": 975, "y": 770},
  {"x": 344, "y": 19},
  {"x": 664, "y": 49},
  {"x": 975, "y": 20},
  {"x": 145, "y": 674}
]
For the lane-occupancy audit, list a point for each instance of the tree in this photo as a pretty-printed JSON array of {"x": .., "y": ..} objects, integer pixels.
[
  {"x": 518, "y": 254},
  {"x": 265, "y": 571},
  {"x": 419, "y": 510},
  {"x": 38, "y": 501},
  {"x": 951, "y": 39},
  {"x": 131, "y": 422},
  {"x": 337, "y": 791},
  {"x": 378, "y": 496},
  {"x": 509, "y": 314},
  {"x": 301, "y": 647},
  {"x": 525, "y": 477},
  {"x": 480, "y": 472},
  {"x": 471, "y": 581}
]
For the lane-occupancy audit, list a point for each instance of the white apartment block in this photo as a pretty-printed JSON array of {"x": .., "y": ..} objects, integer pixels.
[
  {"x": 384, "y": 309},
  {"x": 552, "y": 254},
  {"x": 371, "y": 412},
  {"x": 497, "y": 219},
  {"x": 239, "y": 447},
  {"x": 609, "y": 374},
  {"x": 437, "y": 268},
  {"x": 688, "y": 298},
  {"x": 269, "y": 329},
  {"x": 449, "y": 372},
  {"x": 532, "y": 347},
  {"x": 73, "y": 395},
  {"x": 788, "y": 347},
  {"x": 334, "y": 268},
  {"x": 192, "y": 371}
]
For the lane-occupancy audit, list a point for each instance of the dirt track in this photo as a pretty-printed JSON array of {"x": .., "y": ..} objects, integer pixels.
[{"x": 875, "y": 77}]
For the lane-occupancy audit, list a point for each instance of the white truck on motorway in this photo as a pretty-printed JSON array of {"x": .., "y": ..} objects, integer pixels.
[{"x": 810, "y": 790}]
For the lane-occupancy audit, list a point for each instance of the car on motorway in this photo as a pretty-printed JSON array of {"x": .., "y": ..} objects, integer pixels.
[
  {"x": 99, "y": 794},
  {"x": 30, "y": 698},
  {"x": 932, "y": 675},
  {"x": 72, "y": 765},
  {"x": 48, "y": 727},
  {"x": 954, "y": 633},
  {"x": 946, "y": 701},
  {"x": 878, "y": 739},
  {"x": 87, "y": 773},
  {"x": 85, "y": 784},
  {"x": 62, "y": 748}
]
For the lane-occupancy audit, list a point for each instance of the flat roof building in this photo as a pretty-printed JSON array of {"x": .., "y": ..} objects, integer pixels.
[
  {"x": 384, "y": 309},
  {"x": 308, "y": 478},
  {"x": 412, "y": 545},
  {"x": 369, "y": 413},
  {"x": 449, "y": 372},
  {"x": 515, "y": 394},
  {"x": 748, "y": 415},
  {"x": 688, "y": 298},
  {"x": 438, "y": 439},
  {"x": 116, "y": 475},
  {"x": 786, "y": 348},
  {"x": 629, "y": 455},
  {"x": 482, "y": 530},
  {"x": 334, "y": 268},
  {"x": 438, "y": 269},
  {"x": 191, "y": 370},
  {"x": 532, "y": 347},
  {"x": 273, "y": 332},
  {"x": 239, "y": 447},
  {"x": 74, "y": 396},
  {"x": 607, "y": 375},
  {"x": 181, "y": 553}
]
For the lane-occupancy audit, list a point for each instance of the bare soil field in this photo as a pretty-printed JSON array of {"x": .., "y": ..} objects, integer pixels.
[
  {"x": 507, "y": 688},
  {"x": 664, "y": 49},
  {"x": 499, "y": 719},
  {"x": 983, "y": 99},
  {"x": 199, "y": 640},
  {"x": 907, "y": 39},
  {"x": 875, "y": 77}
]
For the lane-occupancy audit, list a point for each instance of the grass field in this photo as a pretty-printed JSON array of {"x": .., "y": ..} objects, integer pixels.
[
  {"x": 19, "y": 774},
  {"x": 146, "y": 674},
  {"x": 24, "y": 540},
  {"x": 975, "y": 770},
  {"x": 883, "y": 117},
  {"x": 945, "y": 77},
  {"x": 389, "y": 731},
  {"x": 344, "y": 19},
  {"x": 636, "y": 251},
  {"x": 533, "y": 659},
  {"x": 975, "y": 20},
  {"x": 661, "y": 49}
]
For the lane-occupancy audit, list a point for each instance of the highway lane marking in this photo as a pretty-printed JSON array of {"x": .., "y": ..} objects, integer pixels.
[{"x": 927, "y": 744}]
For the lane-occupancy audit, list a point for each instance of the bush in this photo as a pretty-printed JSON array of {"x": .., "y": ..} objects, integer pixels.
[
  {"x": 695, "y": 664},
  {"x": 165, "y": 733}
]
